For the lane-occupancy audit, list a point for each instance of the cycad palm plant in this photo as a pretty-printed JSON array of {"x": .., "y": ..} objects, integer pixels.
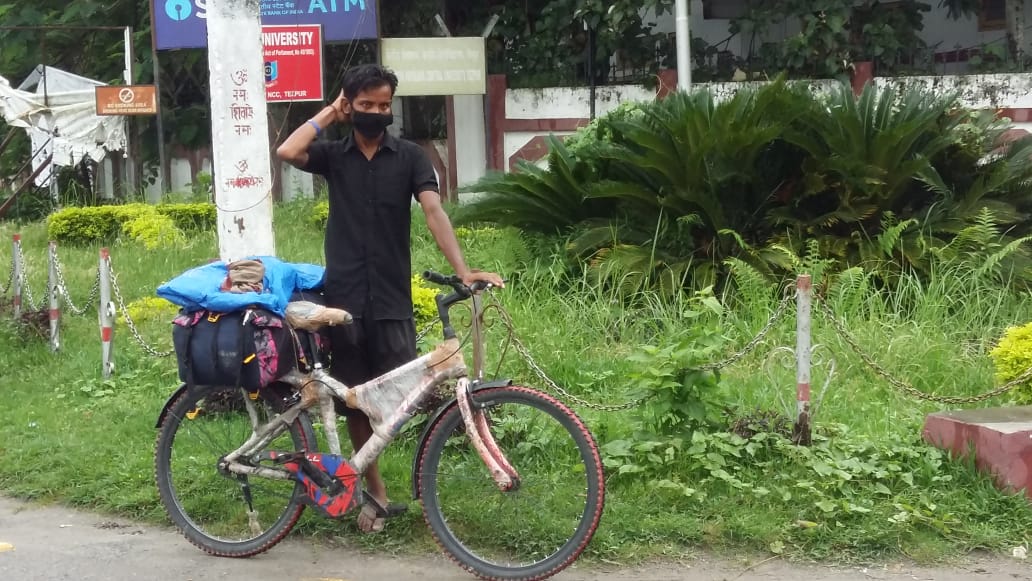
[
  {"x": 866, "y": 158},
  {"x": 695, "y": 179},
  {"x": 549, "y": 199}
]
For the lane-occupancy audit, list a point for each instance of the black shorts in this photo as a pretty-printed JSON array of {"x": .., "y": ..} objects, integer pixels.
[{"x": 367, "y": 348}]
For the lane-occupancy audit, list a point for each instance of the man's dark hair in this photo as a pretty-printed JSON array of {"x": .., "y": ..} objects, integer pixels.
[{"x": 366, "y": 77}]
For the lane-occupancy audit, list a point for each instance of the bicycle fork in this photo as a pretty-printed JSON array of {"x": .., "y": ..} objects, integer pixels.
[{"x": 479, "y": 431}]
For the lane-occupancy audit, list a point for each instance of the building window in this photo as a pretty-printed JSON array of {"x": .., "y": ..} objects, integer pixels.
[{"x": 992, "y": 15}]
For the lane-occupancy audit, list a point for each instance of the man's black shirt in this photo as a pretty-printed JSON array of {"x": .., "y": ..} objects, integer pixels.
[{"x": 368, "y": 258}]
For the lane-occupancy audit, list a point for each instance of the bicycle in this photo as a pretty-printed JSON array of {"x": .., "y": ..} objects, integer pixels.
[{"x": 463, "y": 438}]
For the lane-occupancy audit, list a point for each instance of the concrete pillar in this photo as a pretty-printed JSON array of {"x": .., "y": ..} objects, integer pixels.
[
  {"x": 239, "y": 129},
  {"x": 470, "y": 139},
  {"x": 296, "y": 184}
]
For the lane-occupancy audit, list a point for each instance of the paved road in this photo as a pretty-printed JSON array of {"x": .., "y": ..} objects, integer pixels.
[{"x": 57, "y": 543}]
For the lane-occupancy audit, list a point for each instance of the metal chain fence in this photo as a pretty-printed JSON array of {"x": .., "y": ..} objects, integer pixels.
[
  {"x": 26, "y": 289},
  {"x": 779, "y": 313},
  {"x": 129, "y": 321},
  {"x": 903, "y": 386},
  {"x": 10, "y": 279},
  {"x": 62, "y": 289}
]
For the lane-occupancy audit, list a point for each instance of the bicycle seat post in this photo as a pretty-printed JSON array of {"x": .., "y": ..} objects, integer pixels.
[{"x": 313, "y": 348}]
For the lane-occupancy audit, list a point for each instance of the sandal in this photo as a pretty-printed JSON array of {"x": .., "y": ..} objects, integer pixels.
[{"x": 373, "y": 517}]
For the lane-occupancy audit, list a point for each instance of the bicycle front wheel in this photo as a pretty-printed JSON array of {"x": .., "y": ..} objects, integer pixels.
[
  {"x": 225, "y": 514},
  {"x": 535, "y": 530}
]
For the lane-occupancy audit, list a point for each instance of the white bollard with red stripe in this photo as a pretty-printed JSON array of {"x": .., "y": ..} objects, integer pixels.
[
  {"x": 106, "y": 314},
  {"x": 801, "y": 431},
  {"x": 17, "y": 278},
  {"x": 55, "y": 308}
]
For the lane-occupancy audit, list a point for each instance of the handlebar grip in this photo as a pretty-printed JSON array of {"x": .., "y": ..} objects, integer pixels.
[{"x": 436, "y": 277}]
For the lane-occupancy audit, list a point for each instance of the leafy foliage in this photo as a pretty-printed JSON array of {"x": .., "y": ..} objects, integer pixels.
[
  {"x": 680, "y": 398},
  {"x": 153, "y": 230},
  {"x": 1012, "y": 357},
  {"x": 153, "y": 225},
  {"x": 534, "y": 198},
  {"x": 689, "y": 174},
  {"x": 674, "y": 193},
  {"x": 424, "y": 302},
  {"x": 320, "y": 215},
  {"x": 149, "y": 309}
]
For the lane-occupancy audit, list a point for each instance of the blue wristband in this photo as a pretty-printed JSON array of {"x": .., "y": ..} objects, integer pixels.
[{"x": 318, "y": 129}]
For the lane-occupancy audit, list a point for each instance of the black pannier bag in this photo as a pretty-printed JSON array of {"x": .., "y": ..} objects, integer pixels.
[{"x": 249, "y": 348}]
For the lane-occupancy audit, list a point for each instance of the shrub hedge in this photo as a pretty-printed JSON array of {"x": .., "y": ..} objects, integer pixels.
[{"x": 150, "y": 224}]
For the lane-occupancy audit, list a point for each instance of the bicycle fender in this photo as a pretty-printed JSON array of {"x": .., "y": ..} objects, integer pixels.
[
  {"x": 172, "y": 398},
  {"x": 429, "y": 428},
  {"x": 168, "y": 404}
]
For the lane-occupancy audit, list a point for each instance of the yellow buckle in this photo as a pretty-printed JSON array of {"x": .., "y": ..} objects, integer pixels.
[{"x": 214, "y": 317}]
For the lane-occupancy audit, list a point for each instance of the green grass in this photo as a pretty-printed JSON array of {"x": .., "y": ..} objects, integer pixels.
[{"x": 867, "y": 490}]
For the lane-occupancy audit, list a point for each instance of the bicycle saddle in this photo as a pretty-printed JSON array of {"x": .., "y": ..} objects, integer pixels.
[{"x": 308, "y": 316}]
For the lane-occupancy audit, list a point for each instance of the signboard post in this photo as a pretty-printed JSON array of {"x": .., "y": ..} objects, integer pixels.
[
  {"x": 184, "y": 23},
  {"x": 293, "y": 63},
  {"x": 437, "y": 65}
]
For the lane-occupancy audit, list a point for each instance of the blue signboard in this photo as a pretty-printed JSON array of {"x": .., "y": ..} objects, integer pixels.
[{"x": 184, "y": 24}]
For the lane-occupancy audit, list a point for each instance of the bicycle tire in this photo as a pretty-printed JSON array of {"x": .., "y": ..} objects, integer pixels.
[
  {"x": 594, "y": 497},
  {"x": 302, "y": 437}
]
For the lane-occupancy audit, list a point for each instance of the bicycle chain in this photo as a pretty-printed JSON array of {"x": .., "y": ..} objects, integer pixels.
[
  {"x": 906, "y": 388},
  {"x": 128, "y": 320}
]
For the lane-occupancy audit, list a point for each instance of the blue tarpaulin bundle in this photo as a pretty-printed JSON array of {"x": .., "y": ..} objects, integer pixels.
[{"x": 200, "y": 287}]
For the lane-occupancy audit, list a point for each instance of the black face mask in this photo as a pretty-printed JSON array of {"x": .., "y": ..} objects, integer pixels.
[{"x": 371, "y": 125}]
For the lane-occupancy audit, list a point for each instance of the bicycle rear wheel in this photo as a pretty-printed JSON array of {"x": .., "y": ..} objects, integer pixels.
[
  {"x": 225, "y": 514},
  {"x": 542, "y": 526}
]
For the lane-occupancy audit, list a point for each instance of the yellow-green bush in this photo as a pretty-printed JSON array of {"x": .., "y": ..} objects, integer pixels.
[
  {"x": 153, "y": 230},
  {"x": 465, "y": 232},
  {"x": 320, "y": 214},
  {"x": 1013, "y": 357},
  {"x": 150, "y": 309},
  {"x": 200, "y": 217},
  {"x": 424, "y": 303},
  {"x": 85, "y": 225},
  {"x": 144, "y": 222}
]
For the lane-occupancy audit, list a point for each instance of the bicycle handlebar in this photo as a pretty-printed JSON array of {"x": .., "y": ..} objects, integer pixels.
[
  {"x": 462, "y": 292},
  {"x": 455, "y": 282}
]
